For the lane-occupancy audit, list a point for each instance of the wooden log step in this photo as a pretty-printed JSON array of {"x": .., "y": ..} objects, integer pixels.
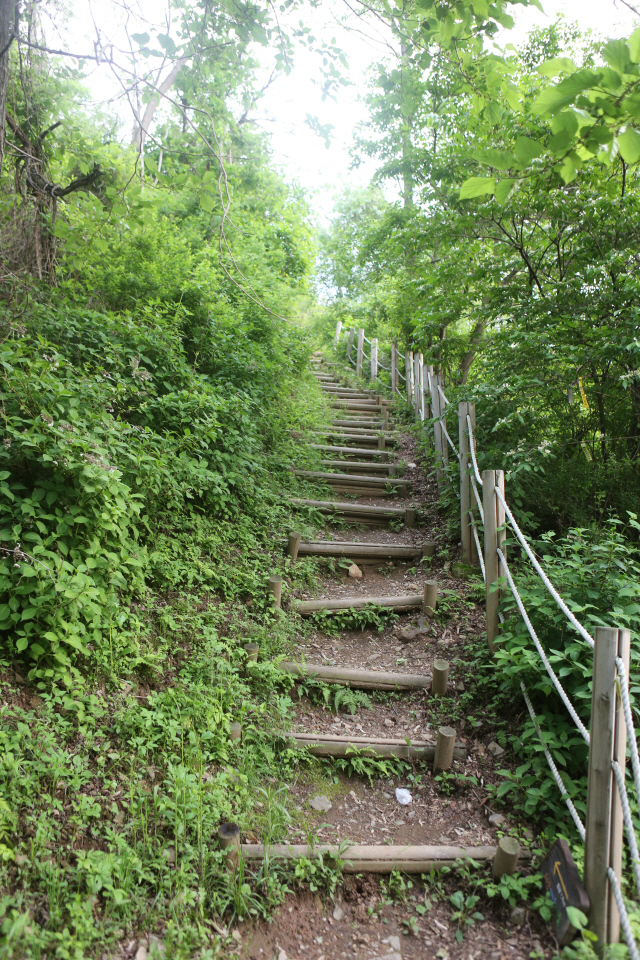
[
  {"x": 359, "y": 679},
  {"x": 326, "y": 745},
  {"x": 373, "y": 858},
  {"x": 342, "y": 478},
  {"x": 373, "y": 551},
  {"x": 367, "y": 440},
  {"x": 365, "y": 431},
  {"x": 374, "y": 422},
  {"x": 410, "y": 601},
  {"x": 351, "y": 451},
  {"x": 361, "y": 467},
  {"x": 351, "y": 509},
  {"x": 353, "y": 405},
  {"x": 364, "y": 491}
]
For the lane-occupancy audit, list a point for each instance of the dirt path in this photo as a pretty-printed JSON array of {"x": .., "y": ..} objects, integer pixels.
[{"x": 371, "y": 916}]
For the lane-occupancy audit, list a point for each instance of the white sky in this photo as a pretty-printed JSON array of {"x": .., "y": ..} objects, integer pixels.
[{"x": 300, "y": 152}]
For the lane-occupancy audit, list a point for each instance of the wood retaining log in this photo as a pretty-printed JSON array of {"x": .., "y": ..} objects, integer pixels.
[
  {"x": 323, "y": 746},
  {"x": 349, "y": 405},
  {"x": 372, "y": 492},
  {"x": 359, "y": 467},
  {"x": 365, "y": 439},
  {"x": 361, "y": 858},
  {"x": 352, "y": 509},
  {"x": 351, "y": 451},
  {"x": 346, "y": 479},
  {"x": 357, "y": 678},
  {"x": 351, "y": 549},
  {"x": 305, "y": 608}
]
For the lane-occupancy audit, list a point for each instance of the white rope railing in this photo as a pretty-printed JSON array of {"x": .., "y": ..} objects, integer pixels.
[
  {"x": 624, "y": 916},
  {"x": 554, "y": 770},
  {"x": 472, "y": 450},
  {"x": 563, "y": 696},
  {"x": 552, "y": 590},
  {"x": 441, "y": 392},
  {"x": 631, "y": 734},
  {"x": 478, "y": 547},
  {"x": 451, "y": 443},
  {"x": 477, "y": 496},
  {"x": 402, "y": 377},
  {"x": 628, "y": 822}
]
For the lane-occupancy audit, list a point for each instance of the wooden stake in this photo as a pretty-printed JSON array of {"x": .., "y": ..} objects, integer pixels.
[
  {"x": 469, "y": 552},
  {"x": 440, "y": 674},
  {"x": 394, "y": 369},
  {"x": 274, "y": 587},
  {"x": 229, "y": 840},
  {"x": 428, "y": 548},
  {"x": 408, "y": 372},
  {"x": 430, "y": 597},
  {"x": 336, "y": 339},
  {"x": 235, "y": 730},
  {"x": 381, "y": 443},
  {"x": 416, "y": 386},
  {"x": 445, "y": 743},
  {"x": 410, "y": 517},
  {"x": 374, "y": 359},
  {"x": 617, "y": 823},
  {"x": 600, "y": 783},
  {"x": 359, "y": 353},
  {"x": 506, "y": 858},
  {"x": 294, "y": 545},
  {"x": 352, "y": 334},
  {"x": 494, "y": 537}
]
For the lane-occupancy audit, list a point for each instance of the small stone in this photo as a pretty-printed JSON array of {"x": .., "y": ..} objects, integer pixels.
[
  {"x": 320, "y": 803},
  {"x": 394, "y": 943},
  {"x": 237, "y": 936},
  {"x": 442, "y": 954},
  {"x": 497, "y": 820},
  {"x": 141, "y": 952},
  {"x": 408, "y": 633},
  {"x": 389, "y": 723},
  {"x": 282, "y": 955},
  {"x": 355, "y": 572},
  {"x": 518, "y": 916},
  {"x": 460, "y": 686},
  {"x": 170, "y": 855},
  {"x": 338, "y": 912},
  {"x": 495, "y": 749},
  {"x": 157, "y": 948}
]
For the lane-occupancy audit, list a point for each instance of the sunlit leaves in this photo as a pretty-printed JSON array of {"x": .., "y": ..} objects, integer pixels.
[
  {"x": 527, "y": 150},
  {"x": 500, "y": 159},
  {"x": 477, "y": 187}
]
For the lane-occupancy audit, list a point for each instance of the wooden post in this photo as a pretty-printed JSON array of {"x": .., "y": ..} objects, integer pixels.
[
  {"x": 506, "y": 858},
  {"x": 469, "y": 551},
  {"x": 336, "y": 339},
  {"x": 252, "y": 650},
  {"x": 235, "y": 730},
  {"x": 229, "y": 840},
  {"x": 394, "y": 368},
  {"x": 274, "y": 587},
  {"x": 352, "y": 334},
  {"x": 430, "y": 597},
  {"x": 442, "y": 413},
  {"x": 438, "y": 437},
  {"x": 617, "y": 823},
  {"x": 408, "y": 371},
  {"x": 493, "y": 538},
  {"x": 294, "y": 545},
  {"x": 410, "y": 517},
  {"x": 359, "y": 352},
  {"x": 600, "y": 783},
  {"x": 374, "y": 359},
  {"x": 381, "y": 443},
  {"x": 428, "y": 548},
  {"x": 440, "y": 678},
  {"x": 416, "y": 385},
  {"x": 445, "y": 743}
]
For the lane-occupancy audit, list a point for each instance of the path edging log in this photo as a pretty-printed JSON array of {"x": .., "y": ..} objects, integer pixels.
[
  {"x": 353, "y": 677},
  {"x": 404, "y": 602},
  {"x": 375, "y": 859}
]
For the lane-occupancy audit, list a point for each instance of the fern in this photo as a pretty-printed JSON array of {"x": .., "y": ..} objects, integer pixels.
[{"x": 334, "y": 696}]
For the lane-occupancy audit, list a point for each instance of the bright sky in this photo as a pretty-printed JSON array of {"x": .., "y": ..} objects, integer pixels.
[{"x": 282, "y": 112}]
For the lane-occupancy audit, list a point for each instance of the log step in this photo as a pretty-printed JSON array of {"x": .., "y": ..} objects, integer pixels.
[
  {"x": 351, "y": 451},
  {"x": 361, "y": 467},
  {"x": 410, "y": 601},
  {"x": 365, "y": 431},
  {"x": 352, "y": 509},
  {"x": 320, "y": 745},
  {"x": 344, "y": 479},
  {"x": 352, "y": 405},
  {"x": 363, "y": 551},
  {"x": 373, "y": 858},
  {"x": 359, "y": 679}
]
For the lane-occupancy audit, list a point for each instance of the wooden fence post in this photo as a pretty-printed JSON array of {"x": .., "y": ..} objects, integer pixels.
[
  {"x": 494, "y": 537},
  {"x": 336, "y": 339},
  {"x": 394, "y": 368},
  {"x": 352, "y": 334},
  {"x": 442, "y": 408},
  {"x": 416, "y": 385},
  {"x": 600, "y": 783},
  {"x": 426, "y": 397},
  {"x": 437, "y": 431},
  {"x": 408, "y": 372},
  {"x": 617, "y": 823},
  {"x": 359, "y": 352},
  {"x": 469, "y": 551},
  {"x": 374, "y": 358}
]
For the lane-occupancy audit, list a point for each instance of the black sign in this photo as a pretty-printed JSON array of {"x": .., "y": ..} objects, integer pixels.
[{"x": 563, "y": 883}]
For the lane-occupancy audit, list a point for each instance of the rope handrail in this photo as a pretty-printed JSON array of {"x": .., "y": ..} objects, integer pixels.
[
  {"x": 552, "y": 590},
  {"x": 628, "y": 822},
  {"x": 402, "y": 376},
  {"x": 351, "y": 360},
  {"x": 399, "y": 392},
  {"x": 380, "y": 364},
  {"x": 365, "y": 355},
  {"x": 473, "y": 452},
  {"x": 366, "y": 338},
  {"x": 554, "y": 770},
  {"x": 478, "y": 548},
  {"x": 451, "y": 443},
  {"x": 441, "y": 392},
  {"x": 624, "y": 916},
  {"x": 477, "y": 496},
  {"x": 631, "y": 733},
  {"x": 563, "y": 696}
]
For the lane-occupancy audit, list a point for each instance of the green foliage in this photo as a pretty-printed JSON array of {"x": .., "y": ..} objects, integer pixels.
[
  {"x": 333, "y": 695},
  {"x": 360, "y": 763},
  {"x": 371, "y": 615}
]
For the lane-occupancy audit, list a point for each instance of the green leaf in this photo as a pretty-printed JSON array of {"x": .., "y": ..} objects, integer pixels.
[
  {"x": 551, "y": 68},
  {"x": 617, "y": 55},
  {"x": 505, "y": 189},
  {"x": 634, "y": 46},
  {"x": 140, "y": 38},
  {"x": 629, "y": 145},
  {"x": 577, "y": 919},
  {"x": 207, "y": 202},
  {"x": 527, "y": 150},
  {"x": 564, "y": 93},
  {"x": 477, "y": 187},
  {"x": 499, "y": 159}
]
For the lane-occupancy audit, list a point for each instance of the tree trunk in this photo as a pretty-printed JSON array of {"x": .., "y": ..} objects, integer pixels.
[{"x": 9, "y": 12}]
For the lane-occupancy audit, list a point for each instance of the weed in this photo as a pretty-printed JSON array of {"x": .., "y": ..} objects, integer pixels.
[{"x": 335, "y": 696}]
